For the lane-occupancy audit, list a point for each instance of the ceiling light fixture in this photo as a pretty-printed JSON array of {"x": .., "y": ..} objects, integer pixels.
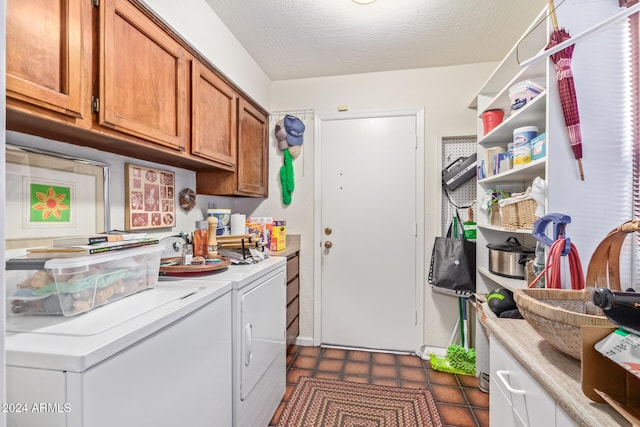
[{"x": 363, "y": 1}]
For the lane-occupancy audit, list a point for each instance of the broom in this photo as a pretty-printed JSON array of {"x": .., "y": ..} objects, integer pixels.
[{"x": 460, "y": 359}]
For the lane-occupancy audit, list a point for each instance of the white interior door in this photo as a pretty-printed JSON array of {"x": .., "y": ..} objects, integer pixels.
[{"x": 369, "y": 208}]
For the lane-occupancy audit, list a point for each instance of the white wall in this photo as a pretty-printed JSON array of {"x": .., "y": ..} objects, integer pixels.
[
  {"x": 185, "y": 221},
  {"x": 443, "y": 92}
]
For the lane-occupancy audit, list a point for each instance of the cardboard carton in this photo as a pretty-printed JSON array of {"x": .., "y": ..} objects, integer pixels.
[
  {"x": 603, "y": 380},
  {"x": 278, "y": 236}
]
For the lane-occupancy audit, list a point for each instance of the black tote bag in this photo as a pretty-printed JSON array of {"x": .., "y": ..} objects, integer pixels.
[{"x": 453, "y": 263}]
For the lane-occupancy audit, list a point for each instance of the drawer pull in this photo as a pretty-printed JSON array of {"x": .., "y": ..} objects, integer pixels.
[{"x": 500, "y": 375}]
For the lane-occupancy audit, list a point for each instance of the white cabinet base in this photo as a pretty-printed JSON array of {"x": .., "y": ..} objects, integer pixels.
[{"x": 517, "y": 399}]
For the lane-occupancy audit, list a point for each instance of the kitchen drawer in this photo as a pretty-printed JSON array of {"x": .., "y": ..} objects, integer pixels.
[
  {"x": 502, "y": 413},
  {"x": 293, "y": 288},
  {"x": 292, "y": 267},
  {"x": 292, "y": 310},
  {"x": 529, "y": 401}
]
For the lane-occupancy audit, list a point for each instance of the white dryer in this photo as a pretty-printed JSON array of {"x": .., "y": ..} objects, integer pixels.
[{"x": 259, "y": 331}]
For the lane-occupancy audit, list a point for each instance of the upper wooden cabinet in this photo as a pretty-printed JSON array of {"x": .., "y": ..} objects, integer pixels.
[
  {"x": 252, "y": 150},
  {"x": 214, "y": 112},
  {"x": 142, "y": 73},
  {"x": 115, "y": 77},
  {"x": 44, "y": 55},
  {"x": 251, "y": 175}
]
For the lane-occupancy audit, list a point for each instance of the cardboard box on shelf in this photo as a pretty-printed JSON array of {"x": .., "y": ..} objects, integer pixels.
[
  {"x": 603, "y": 380},
  {"x": 278, "y": 236},
  {"x": 489, "y": 156}
]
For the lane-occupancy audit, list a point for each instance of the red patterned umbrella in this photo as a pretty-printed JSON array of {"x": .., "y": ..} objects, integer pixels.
[{"x": 566, "y": 88}]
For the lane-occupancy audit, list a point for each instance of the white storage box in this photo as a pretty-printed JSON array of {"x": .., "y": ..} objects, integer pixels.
[
  {"x": 524, "y": 91},
  {"x": 69, "y": 286}
]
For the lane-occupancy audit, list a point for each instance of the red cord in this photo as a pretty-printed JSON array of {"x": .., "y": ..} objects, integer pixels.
[{"x": 552, "y": 273}]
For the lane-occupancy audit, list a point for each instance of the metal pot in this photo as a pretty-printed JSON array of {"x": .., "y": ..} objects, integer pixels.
[{"x": 508, "y": 259}]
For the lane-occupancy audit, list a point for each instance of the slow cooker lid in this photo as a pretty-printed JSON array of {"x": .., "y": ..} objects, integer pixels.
[{"x": 511, "y": 245}]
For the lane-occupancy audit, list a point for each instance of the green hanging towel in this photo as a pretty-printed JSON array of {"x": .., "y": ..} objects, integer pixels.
[{"x": 286, "y": 177}]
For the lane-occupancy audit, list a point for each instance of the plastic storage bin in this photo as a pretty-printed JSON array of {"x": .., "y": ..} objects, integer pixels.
[
  {"x": 523, "y": 92},
  {"x": 69, "y": 286}
]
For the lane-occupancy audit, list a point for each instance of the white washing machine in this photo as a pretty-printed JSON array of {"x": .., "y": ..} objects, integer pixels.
[
  {"x": 160, "y": 357},
  {"x": 259, "y": 331}
]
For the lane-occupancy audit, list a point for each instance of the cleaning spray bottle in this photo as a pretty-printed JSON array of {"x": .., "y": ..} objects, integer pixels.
[{"x": 469, "y": 226}]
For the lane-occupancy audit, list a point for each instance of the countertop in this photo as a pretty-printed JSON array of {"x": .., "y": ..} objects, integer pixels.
[
  {"x": 293, "y": 246},
  {"x": 557, "y": 373}
]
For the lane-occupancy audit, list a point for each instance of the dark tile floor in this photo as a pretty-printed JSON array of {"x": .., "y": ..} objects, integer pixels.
[{"x": 459, "y": 400}]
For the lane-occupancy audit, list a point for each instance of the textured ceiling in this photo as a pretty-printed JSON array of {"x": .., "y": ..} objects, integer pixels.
[{"x": 293, "y": 39}]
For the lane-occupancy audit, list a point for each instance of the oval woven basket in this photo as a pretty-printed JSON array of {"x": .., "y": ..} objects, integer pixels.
[{"x": 558, "y": 314}]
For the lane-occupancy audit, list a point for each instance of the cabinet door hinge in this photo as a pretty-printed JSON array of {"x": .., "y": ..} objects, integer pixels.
[
  {"x": 95, "y": 105},
  {"x": 95, "y": 3}
]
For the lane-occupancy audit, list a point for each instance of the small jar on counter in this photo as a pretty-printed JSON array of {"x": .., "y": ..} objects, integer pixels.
[
  {"x": 187, "y": 254},
  {"x": 200, "y": 239}
]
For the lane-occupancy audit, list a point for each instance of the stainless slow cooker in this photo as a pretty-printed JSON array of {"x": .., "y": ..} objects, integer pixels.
[{"x": 508, "y": 259}]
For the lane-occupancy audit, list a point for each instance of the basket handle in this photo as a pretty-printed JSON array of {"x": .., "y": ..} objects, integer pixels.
[{"x": 604, "y": 266}]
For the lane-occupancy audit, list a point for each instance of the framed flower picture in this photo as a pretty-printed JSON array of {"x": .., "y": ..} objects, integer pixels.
[
  {"x": 149, "y": 197},
  {"x": 49, "y": 195}
]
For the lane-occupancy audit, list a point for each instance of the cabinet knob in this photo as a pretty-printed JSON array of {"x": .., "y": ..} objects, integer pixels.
[
  {"x": 328, "y": 231},
  {"x": 328, "y": 244}
]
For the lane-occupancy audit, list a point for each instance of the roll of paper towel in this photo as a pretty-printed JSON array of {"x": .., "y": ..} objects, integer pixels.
[{"x": 238, "y": 224}]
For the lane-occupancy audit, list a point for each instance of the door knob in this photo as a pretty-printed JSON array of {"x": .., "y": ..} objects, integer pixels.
[
  {"x": 328, "y": 244},
  {"x": 328, "y": 231}
]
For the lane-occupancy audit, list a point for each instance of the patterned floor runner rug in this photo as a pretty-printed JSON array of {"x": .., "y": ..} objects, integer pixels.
[{"x": 332, "y": 403}]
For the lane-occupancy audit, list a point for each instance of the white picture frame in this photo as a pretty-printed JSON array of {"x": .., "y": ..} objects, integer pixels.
[{"x": 49, "y": 195}]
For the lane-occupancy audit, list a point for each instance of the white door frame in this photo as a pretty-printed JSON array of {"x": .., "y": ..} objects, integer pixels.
[{"x": 420, "y": 215}]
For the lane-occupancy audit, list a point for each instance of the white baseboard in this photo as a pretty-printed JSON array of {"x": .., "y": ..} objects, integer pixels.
[
  {"x": 304, "y": 341},
  {"x": 425, "y": 351}
]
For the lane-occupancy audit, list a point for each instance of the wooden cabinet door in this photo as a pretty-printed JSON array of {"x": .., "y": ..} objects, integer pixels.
[
  {"x": 142, "y": 77},
  {"x": 44, "y": 50},
  {"x": 253, "y": 155},
  {"x": 214, "y": 111}
]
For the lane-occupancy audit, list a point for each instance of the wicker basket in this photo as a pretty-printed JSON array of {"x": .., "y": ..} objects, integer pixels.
[
  {"x": 519, "y": 215},
  {"x": 558, "y": 314}
]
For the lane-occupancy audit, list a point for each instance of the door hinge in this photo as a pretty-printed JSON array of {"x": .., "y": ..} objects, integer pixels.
[
  {"x": 95, "y": 105},
  {"x": 95, "y": 3}
]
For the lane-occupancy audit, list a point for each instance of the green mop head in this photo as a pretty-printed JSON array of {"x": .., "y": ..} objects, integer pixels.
[{"x": 458, "y": 361}]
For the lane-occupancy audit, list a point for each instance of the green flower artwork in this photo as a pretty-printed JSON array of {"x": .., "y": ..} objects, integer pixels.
[{"x": 49, "y": 203}]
